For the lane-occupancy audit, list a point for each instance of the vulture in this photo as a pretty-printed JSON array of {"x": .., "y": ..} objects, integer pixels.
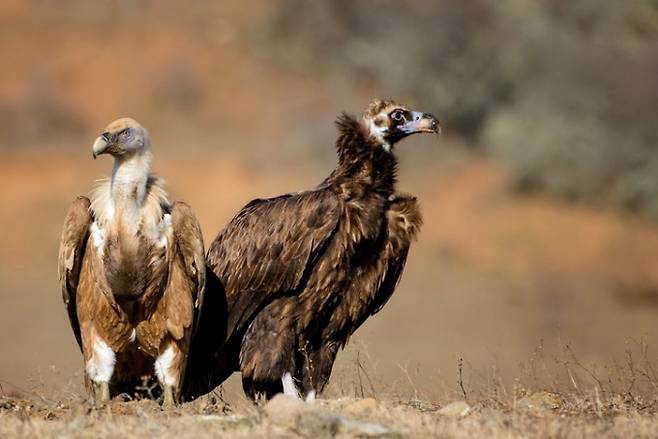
[
  {"x": 291, "y": 278},
  {"x": 131, "y": 272}
]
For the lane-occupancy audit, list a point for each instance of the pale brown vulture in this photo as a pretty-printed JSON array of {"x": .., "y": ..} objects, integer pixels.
[
  {"x": 132, "y": 272},
  {"x": 292, "y": 277}
]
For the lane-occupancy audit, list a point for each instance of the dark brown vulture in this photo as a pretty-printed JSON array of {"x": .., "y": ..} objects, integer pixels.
[
  {"x": 132, "y": 272},
  {"x": 292, "y": 277}
]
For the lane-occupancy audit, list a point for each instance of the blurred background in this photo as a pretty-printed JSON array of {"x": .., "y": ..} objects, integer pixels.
[{"x": 536, "y": 266}]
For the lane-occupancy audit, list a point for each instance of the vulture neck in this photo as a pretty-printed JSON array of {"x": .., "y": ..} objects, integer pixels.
[
  {"x": 129, "y": 180},
  {"x": 362, "y": 160}
]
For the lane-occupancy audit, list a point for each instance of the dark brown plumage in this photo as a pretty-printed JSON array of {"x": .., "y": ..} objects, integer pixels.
[
  {"x": 132, "y": 273},
  {"x": 292, "y": 277}
]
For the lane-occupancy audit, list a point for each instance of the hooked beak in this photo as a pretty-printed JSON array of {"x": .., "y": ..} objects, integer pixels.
[
  {"x": 101, "y": 145},
  {"x": 421, "y": 123}
]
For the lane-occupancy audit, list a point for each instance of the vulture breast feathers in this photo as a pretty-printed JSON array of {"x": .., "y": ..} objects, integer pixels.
[
  {"x": 131, "y": 272},
  {"x": 294, "y": 276}
]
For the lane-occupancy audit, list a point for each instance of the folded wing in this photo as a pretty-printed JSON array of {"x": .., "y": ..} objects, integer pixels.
[
  {"x": 269, "y": 248},
  {"x": 71, "y": 252},
  {"x": 188, "y": 278}
]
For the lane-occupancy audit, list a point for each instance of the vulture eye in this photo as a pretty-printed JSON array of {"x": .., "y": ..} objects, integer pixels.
[
  {"x": 397, "y": 115},
  {"x": 124, "y": 134}
]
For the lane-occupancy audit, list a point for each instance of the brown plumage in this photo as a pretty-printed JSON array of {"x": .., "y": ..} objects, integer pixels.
[
  {"x": 132, "y": 272},
  {"x": 292, "y": 277}
]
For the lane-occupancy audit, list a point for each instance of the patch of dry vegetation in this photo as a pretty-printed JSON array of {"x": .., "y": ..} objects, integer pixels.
[
  {"x": 542, "y": 414},
  {"x": 586, "y": 403}
]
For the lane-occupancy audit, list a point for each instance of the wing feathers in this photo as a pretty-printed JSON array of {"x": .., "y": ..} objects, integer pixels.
[
  {"x": 71, "y": 252},
  {"x": 266, "y": 248},
  {"x": 189, "y": 244}
]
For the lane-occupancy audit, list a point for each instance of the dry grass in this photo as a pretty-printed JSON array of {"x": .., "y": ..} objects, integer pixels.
[
  {"x": 546, "y": 415},
  {"x": 359, "y": 403}
]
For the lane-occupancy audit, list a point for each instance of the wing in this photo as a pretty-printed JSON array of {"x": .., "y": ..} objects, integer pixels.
[
  {"x": 404, "y": 222},
  {"x": 390, "y": 282},
  {"x": 189, "y": 246},
  {"x": 268, "y": 248},
  {"x": 71, "y": 252}
]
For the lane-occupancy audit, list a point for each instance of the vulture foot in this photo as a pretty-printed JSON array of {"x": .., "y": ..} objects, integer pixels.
[{"x": 169, "y": 400}]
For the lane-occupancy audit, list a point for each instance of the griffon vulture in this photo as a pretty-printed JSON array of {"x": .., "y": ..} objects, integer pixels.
[
  {"x": 292, "y": 277},
  {"x": 132, "y": 272}
]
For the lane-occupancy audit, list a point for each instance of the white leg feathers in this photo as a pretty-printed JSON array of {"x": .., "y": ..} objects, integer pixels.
[
  {"x": 163, "y": 368},
  {"x": 166, "y": 373},
  {"x": 289, "y": 387},
  {"x": 310, "y": 397},
  {"x": 100, "y": 366}
]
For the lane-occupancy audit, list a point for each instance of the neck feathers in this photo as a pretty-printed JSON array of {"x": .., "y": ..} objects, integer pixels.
[
  {"x": 362, "y": 159},
  {"x": 132, "y": 196},
  {"x": 353, "y": 144},
  {"x": 129, "y": 179}
]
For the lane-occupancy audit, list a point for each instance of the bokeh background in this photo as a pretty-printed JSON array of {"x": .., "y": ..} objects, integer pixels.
[{"x": 536, "y": 267}]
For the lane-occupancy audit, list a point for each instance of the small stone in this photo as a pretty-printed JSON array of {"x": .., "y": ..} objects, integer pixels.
[
  {"x": 540, "y": 401},
  {"x": 312, "y": 420},
  {"x": 361, "y": 406},
  {"x": 284, "y": 409},
  {"x": 457, "y": 409},
  {"x": 296, "y": 414}
]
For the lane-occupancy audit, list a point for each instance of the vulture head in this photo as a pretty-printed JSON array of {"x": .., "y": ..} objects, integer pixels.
[
  {"x": 123, "y": 139},
  {"x": 389, "y": 122}
]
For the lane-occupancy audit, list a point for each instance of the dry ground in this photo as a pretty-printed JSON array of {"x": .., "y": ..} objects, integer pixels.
[{"x": 539, "y": 415}]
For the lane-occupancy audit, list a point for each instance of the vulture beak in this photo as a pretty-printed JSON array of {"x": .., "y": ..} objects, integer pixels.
[
  {"x": 421, "y": 123},
  {"x": 101, "y": 145}
]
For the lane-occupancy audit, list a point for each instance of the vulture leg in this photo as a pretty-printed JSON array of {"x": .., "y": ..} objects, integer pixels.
[
  {"x": 169, "y": 400},
  {"x": 104, "y": 388},
  {"x": 268, "y": 371},
  {"x": 169, "y": 370},
  {"x": 100, "y": 360}
]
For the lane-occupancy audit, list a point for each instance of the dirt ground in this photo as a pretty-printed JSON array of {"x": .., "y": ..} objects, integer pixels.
[
  {"x": 540, "y": 415},
  {"x": 504, "y": 296}
]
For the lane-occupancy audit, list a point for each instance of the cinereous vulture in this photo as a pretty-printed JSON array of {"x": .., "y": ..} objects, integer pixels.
[{"x": 291, "y": 278}]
